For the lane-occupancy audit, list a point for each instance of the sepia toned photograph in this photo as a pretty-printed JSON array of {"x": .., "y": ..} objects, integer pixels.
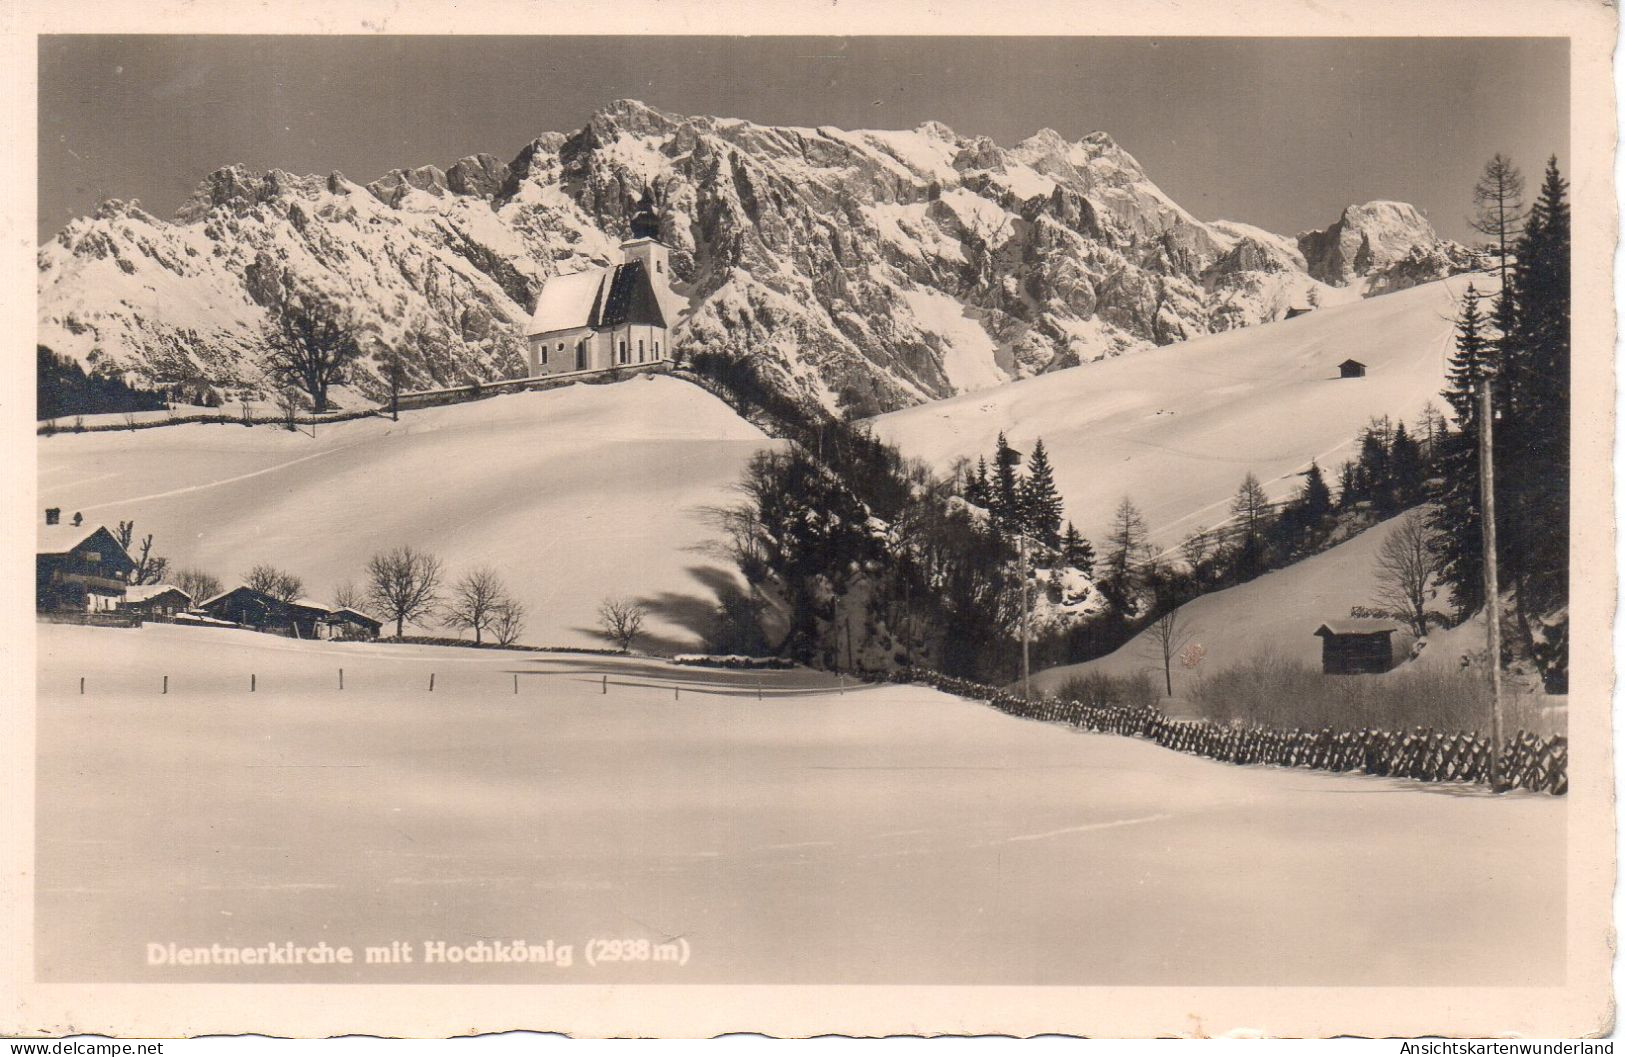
[{"x": 833, "y": 510}]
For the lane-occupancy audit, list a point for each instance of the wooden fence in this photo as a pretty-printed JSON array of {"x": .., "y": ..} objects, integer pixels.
[{"x": 1424, "y": 754}]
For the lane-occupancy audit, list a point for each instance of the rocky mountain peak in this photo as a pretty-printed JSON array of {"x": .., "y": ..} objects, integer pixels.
[
  {"x": 865, "y": 270},
  {"x": 1369, "y": 237}
]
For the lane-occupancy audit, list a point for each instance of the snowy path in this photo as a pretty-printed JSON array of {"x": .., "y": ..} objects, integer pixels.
[{"x": 892, "y": 834}]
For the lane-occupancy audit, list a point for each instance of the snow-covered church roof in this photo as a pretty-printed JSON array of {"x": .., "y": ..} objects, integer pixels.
[{"x": 597, "y": 298}]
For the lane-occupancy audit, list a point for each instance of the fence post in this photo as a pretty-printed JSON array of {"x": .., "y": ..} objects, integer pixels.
[
  {"x": 341, "y": 678},
  {"x": 166, "y": 684},
  {"x": 758, "y": 688},
  {"x": 676, "y": 693},
  {"x": 251, "y": 681},
  {"x": 606, "y": 684},
  {"x": 516, "y": 682},
  {"x": 431, "y": 682},
  {"x": 81, "y": 685}
]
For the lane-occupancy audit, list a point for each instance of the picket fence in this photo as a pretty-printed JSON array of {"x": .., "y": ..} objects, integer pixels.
[{"x": 1424, "y": 754}]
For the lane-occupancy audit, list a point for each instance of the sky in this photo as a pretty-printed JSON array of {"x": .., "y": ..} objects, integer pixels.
[{"x": 1278, "y": 132}]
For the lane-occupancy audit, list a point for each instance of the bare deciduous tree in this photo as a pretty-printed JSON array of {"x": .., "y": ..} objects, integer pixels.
[
  {"x": 311, "y": 344},
  {"x": 197, "y": 583},
  {"x": 1167, "y": 635},
  {"x": 1251, "y": 506},
  {"x": 348, "y": 596},
  {"x": 1406, "y": 567},
  {"x": 1498, "y": 210},
  {"x": 508, "y": 623},
  {"x": 289, "y": 402},
  {"x": 621, "y": 619},
  {"x": 475, "y": 600},
  {"x": 269, "y": 580},
  {"x": 404, "y": 584},
  {"x": 149, "y": 568},
  {"x": 1196, "y": 549}
]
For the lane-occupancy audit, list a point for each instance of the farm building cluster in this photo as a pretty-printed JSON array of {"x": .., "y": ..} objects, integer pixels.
[{"x": 83, "y": 573}]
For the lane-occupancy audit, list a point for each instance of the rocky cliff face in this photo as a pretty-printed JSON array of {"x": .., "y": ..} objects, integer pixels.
[
  {"x": 1391, "y": 242},
  {"x": 866, "y": 270}
]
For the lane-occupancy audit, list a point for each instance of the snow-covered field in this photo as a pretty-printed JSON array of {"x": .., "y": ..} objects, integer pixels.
[
  {"x": 887, "y": 834},
  {"x": 572, "y": 494},
  {"x": 1177, "y": 428}
]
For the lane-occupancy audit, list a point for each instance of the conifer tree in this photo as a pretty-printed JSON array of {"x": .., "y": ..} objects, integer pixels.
[
  {"x": 1407, "y": 473},
  {"x": 1498, "y": 209},
  {"x": 1005, "y": 497},
  {"x": 1077, "y": 551},
  {"x": 1348, "y": 486},
  {"x": 1537, "y": 438},
  {"x": 1315, "y": 501},
  {"x": 978, "y": 490},
  {"x": 1128, "y": 540},
  {"x": 1457, "y": 536},
  {"x": 1251, "y": 506},
  {"x": 1040, "y": 502}
]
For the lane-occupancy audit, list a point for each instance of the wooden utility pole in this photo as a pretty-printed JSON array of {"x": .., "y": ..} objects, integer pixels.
[
  {"x": 1026, "y": 625},
  {"x": 1492, "y": 584},
  {"x": 395, "y": 385}
]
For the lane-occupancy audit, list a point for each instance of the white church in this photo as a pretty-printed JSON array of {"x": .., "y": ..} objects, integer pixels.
[{"x": 617, "y": 316}]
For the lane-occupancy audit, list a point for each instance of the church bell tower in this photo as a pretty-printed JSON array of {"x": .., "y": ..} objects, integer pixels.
[{"x": 645, "y": 246}]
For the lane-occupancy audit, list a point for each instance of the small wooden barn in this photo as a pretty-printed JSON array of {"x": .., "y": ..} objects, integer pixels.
[
  {"x": 350, "y": 623},
  {"x": 309, "y": 619},
  {"x": 156, "y": 601},
  {"x": 1356, "y": 647},
  {"x": 245, "y": 606},
  {"x": 1351, "y": 369}
]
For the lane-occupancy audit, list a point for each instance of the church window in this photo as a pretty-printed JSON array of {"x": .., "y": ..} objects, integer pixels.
[
  {"x": 640, "y": 350},
  {"x": 623, "y": 351}
]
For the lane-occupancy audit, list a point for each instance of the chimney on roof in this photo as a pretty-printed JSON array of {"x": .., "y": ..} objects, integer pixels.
[
  {"x": 53, "y": 515},
  {"x": 78, "y": 519}
]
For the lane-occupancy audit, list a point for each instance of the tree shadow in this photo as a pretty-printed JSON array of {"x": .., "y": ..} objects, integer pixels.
[{"x": 693, "y": 611}]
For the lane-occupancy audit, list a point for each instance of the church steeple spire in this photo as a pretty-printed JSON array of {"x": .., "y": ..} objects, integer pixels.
[{"x": 646, "y": 221}]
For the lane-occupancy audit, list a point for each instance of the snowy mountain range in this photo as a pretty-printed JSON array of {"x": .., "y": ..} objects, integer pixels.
[{"x": 866, "y": 270}]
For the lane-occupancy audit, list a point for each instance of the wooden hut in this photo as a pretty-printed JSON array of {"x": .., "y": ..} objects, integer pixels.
[
  {"x": 1351, "y": 369},
  {"x": 156, "y": 601},
  {"x": 247, "y": 607},
  {"x": 350, "y": 623},
  {"x": 1356, "y": 647}
]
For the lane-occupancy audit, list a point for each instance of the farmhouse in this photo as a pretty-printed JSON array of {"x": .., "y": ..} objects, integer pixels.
[
  {"x": 617, "y": 316},
  {"x": 1356, "y": 647},
  {"x": 156, "y": 601},
  {"x": 1351, "y": 369},
  {"x": 79, "y": 568},
  {"x": 245, "y": 606}
]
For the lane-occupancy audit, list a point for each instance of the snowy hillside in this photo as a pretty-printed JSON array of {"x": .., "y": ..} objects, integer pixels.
[
  {"x": 1275, "y": 614},
  {"x": 572, "y": 495},
  {"x": 1177, "y": 428},
  {"x": 867, "y": 270}
]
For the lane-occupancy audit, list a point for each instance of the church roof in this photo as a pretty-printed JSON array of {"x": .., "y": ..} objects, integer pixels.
[
  {"x": 567, "y": 301},
  {"x": 598, "y": 298}
]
